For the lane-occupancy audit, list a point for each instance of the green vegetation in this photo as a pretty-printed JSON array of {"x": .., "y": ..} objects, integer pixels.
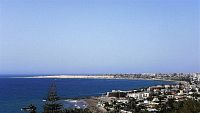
[
  {"x": 52, "y": 104},
  {"x": 187, "y": 106}
]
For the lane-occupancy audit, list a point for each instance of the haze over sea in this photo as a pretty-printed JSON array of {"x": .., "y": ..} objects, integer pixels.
[
  {"x": 92, "y": 36},
  {"x": 19, "y": 92}
]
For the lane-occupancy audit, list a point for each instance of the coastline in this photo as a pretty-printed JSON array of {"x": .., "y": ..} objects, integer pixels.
[
  {"x": 92, "y": 101},
  {"x": 93, "y": 77},
  {"x": 92, "y": 105},
  {"x": 70, "y": 76}
]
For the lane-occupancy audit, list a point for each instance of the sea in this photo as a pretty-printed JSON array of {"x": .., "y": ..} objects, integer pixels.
[{"x": 16, "y": 93}]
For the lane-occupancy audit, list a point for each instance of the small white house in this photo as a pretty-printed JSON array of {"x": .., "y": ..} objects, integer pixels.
[
  {"x": 170, "y": 96},
  {"x": 135, "y": 95},
  {"x": 145, "y": 95}
]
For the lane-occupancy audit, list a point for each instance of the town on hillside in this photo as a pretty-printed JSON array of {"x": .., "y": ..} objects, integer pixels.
[{"x": 160, "y": 98}]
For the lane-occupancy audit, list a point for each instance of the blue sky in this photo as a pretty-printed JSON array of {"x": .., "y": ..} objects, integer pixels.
[{"x": 99, "y": 36}]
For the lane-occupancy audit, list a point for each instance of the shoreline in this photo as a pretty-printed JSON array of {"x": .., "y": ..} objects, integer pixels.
[
  {"x": 92, "y": 105},
  {"x": 93, "y": 101},
  {"x": 91, "y": 77},
  {"x": 71, "y": 76}
]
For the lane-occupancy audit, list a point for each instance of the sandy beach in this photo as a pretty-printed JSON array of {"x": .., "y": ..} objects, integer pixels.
[
  {"x": 73, "y": 76},
  {"x": 92, "y": 105}
]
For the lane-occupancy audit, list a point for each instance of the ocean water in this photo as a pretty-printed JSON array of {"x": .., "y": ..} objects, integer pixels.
[{"x": 16, "y": 93}]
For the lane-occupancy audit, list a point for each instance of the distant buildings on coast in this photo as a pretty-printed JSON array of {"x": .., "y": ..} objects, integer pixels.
[
  {"x": 152, "y": 99},
  {"x": 159, "y": 76},
  {"x": 147, "y": 76}
]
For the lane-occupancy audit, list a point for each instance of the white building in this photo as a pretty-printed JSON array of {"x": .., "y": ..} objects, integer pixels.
[
  {"x": 145, "y": 95},
  {"x": 122, "y": 100},
  {"x": 167, "y": 86},
  {"x": 135, "y": 95},
  {"x": 140, "y": 95},
  {"x": 170, "y": 96}
]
